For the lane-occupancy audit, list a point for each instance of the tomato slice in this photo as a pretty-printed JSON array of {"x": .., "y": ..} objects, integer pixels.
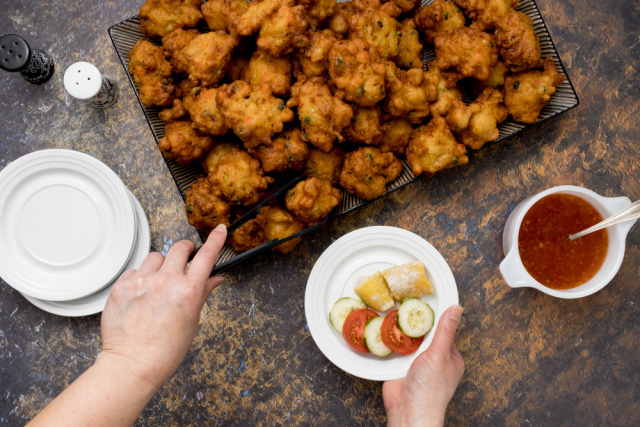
[
  {"x": 395, "y": 339},
  {"x": 353, "y": 328}
]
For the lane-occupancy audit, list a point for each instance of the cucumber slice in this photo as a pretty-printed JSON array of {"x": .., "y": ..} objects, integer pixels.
[
  {"x": 373, "y": 337},
  {"x": 415, "y": 317},
  {"x": 341, "y": 310}
]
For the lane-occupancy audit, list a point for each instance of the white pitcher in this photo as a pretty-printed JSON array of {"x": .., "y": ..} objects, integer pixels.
[{"x": 517, "y": 276}]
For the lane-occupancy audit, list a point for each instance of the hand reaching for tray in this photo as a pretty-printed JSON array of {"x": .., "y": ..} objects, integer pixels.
[
  {"x": 421, "y": 398},
  {"x": 152, "y": 314},
  {"x": 148, "y": 325}
]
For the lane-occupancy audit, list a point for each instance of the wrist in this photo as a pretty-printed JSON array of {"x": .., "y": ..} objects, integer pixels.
[
  {"x": 416, "y": 414},
  {"x": 425, "y": 419},
  {"x": 129, "y": 373}
]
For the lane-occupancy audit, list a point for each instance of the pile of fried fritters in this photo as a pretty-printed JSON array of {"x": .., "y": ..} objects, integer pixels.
[{"x": 337, "y": 92}]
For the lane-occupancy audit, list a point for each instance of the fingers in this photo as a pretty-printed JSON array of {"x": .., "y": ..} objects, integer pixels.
[
  {"x": 151, "y": 263},
  {"x": 210, "y": 285},
  {"x": 128, "y": 273},
  {"x": 202, "y": 264},
  {"x": 178, "y": 256},
  {"x": 446, "y": 330}
]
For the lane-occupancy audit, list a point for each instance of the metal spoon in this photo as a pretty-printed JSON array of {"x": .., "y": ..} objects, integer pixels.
[{"x": 626, "y": 214}]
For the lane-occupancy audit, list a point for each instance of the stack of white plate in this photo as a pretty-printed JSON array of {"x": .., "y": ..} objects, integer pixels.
[{"x": 68, "y": 229}]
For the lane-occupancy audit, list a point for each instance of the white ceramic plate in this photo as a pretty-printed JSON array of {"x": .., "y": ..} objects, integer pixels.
[
  {"x": 362, "y": 253},
  {"x": 66, "y": 222},
  {"x": 95, "y": 303}
]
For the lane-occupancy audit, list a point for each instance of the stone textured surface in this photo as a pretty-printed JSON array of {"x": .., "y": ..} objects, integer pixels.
[{"x": 531, "y": 359}]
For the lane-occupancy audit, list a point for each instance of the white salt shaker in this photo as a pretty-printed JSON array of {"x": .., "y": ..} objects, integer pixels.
[{"x": 84, "y": 81}]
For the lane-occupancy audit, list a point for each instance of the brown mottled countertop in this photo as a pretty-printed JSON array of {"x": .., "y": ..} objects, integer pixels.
[{"x": 530, "y": 359}]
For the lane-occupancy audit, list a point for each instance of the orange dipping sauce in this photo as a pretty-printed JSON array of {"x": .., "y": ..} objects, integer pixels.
[{"x": 545, "y": 249}]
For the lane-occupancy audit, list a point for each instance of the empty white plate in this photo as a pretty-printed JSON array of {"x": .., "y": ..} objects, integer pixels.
[
  {"x": 67, "y": 225},
  {"x": 95, "y": 303},
  {"x": 362, "y": 253}
]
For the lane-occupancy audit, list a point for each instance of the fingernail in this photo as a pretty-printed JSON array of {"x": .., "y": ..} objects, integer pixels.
[
  {"x": 220, "y": 227},
  {"x": 455, "y": 313}
]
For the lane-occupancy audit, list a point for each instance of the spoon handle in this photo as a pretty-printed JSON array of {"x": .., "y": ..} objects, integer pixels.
[{"x": 625, "y": 214}]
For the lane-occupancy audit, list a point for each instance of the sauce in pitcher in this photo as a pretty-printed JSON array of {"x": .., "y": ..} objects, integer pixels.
[{"x": 545, "y": 249}]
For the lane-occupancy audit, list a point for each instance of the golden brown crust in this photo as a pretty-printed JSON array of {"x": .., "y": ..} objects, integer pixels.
[
  {"x": 410, "y": 92},
  {"x": 248, "y": 236},
  {"x": 432, "y": 147},
  {"x": 287, "y": 151},
  {"x": 266, "y": 69},
  {"x": 224, "y": 14},
  {"x": 210, "y": 161},
  {"x": 448, "y": 93},
  {"x": 252, "y": 112},
  {"x": 376, "y": 24},
  {"x": 278, "y": 223},
  {"x": 496, "y": 80},
  {"x": 518, "y": 43},
  {"x": 281, "y": 24},
  {"x": 172, "y": 45},
  {"x": 486, "y": 13},
  {"x": 182, "y": 143},
  {"x": 323, "y": 165},
  {"x": 312, "y": 61},
  {"x": 395, "y": 136},
  {"x": 405, "y": 5},
  {"x": 528, "y": 92},
  {"x": 357, "y": 72},
  {"x": 322, "y": 115},
  {"x": 410, "y": 48},
  {"x": 312, "y": 200},
  {"x": 203, "y": 110},
  {"x": 257, "y": 12},
  {"x": 477, "y": 123},
  {"x": 173, "y": 113},
  {"x": 469, "y": 51},
  {"x": 206, "y": 56},
  {"x": 283, "y": 31},
  {"x": 316, "y": 11},
  {"x": 367, "y": 171},
  {"x": 152, "y": 73},
  {"x": 240, "y": 178},
  {"x": 204, "y": 206},
  {"x": 365, "y": 125},
  {"x": 439, "y": 17},
  {"x": 160, "y": 17},
  {"x": 338, "y": 22}
]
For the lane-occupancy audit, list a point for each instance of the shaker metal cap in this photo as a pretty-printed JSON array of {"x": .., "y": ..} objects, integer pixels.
[
  {"x": 82, "y": 80},
  {"x": 14, "y": 53}
]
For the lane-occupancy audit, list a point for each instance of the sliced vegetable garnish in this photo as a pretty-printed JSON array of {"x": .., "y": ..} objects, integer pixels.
[
  {"x": 353, "y": 328},
  {"x": 341, "y": 310},
  {"x": 373, "y": 337},
  {"x": 395, "y": 339},
  {"x": 415, "y": 317}
]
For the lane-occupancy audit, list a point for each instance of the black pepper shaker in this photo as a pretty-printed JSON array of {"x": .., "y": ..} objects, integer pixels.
[{"x": 35, "y": 66}]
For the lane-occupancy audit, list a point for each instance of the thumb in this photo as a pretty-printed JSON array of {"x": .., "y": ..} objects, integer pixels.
[{"x": 446, "y": 330}]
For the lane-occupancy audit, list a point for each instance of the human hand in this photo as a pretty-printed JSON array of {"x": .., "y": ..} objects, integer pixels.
[
  {"x": 152, "y": 314},
  {"x": 421, "y": 398}
]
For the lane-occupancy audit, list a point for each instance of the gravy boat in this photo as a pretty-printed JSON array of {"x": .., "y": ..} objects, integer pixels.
[{"x": 517, "y": 276}]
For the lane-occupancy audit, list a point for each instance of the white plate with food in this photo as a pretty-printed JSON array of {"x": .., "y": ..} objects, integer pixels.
[
  {"x": 67, "y": 225},
  {"x": 362, "y": 253},
  {"x": 95, "y": 303}
]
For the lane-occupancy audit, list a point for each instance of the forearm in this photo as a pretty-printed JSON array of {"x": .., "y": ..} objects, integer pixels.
[{"x": 107, "y": 394}]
